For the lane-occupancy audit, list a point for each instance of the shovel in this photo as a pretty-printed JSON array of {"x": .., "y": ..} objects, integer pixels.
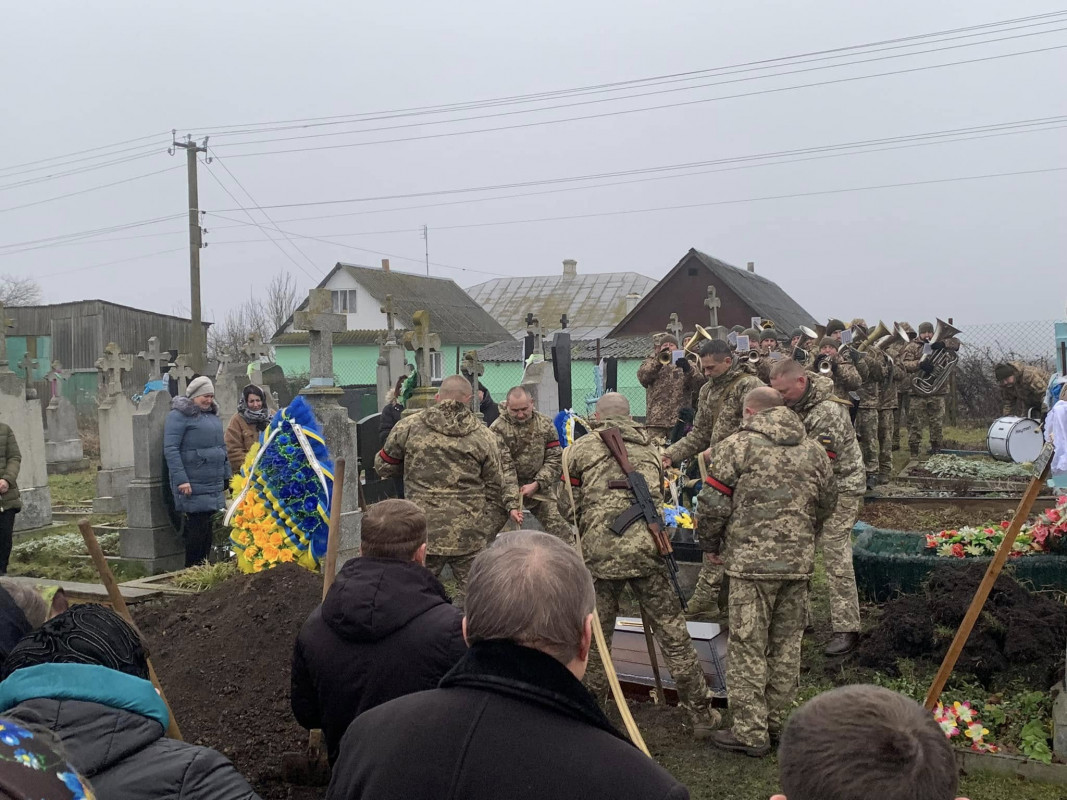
[{"x": 311, "y": 768}]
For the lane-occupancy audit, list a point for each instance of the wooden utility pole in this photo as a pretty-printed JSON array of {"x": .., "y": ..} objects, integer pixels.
[{"x": 197, "y": 345}]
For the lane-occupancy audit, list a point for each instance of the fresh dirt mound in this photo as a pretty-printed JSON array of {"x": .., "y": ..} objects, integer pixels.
[
  {"x": 1019, "y": 634},
  {"x": 223, "y": 658},
  {"x": 901, "y": 517}
]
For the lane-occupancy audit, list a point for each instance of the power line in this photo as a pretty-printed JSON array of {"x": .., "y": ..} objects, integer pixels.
[
  {"x": 643, "y": 109},
  {"x": 87, "y": 150},
  {"x": 93, "y": 231},
  {"x": 86, "y": 191},
  {"x": 136, "y": 153},
  {"x": 224, "y": 130},
  {"x": 110, "y": 263}
]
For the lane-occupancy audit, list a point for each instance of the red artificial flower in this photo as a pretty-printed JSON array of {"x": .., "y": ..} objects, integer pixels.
[
  {"x": 1053, "y": 515},
  {"x": 1005, "y": 524},
  {"x": 957, "y": 550},
  {"x": 947, "y": 534},
  {"x": 989, "y": 531}
]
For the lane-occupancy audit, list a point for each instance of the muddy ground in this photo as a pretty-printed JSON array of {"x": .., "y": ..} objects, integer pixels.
[{"x": 900, "y": 517}]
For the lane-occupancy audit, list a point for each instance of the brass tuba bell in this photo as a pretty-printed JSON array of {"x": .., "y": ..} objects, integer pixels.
[
  {"x": 692, "y": 346},
  {"x": 872, "y": 338}
]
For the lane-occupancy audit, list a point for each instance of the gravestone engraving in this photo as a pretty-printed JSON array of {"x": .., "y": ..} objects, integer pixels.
[
  {"x": 115, "y": 417},
  {"x": 64, "y": 452}
]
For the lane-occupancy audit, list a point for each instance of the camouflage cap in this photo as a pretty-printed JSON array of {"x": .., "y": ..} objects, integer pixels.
[
  {"x": 926, "y": 327},
  {"x": 858, "y": 322}
]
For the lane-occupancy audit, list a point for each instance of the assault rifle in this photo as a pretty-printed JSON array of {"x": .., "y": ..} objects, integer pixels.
[{"x": 643, "y": 509}]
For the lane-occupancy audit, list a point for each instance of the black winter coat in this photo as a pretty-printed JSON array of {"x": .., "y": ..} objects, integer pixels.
[
  {"x": 390, "y": 416},
  {"x": 386, "y": 629},
  {"x": 507, "y": 722},
  {"x": 13, "y": 623},
  {"x": 489, "y": 407}
]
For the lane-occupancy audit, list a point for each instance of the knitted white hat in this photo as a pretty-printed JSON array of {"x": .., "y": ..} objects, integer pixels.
[{"x": 199, "y": 386}]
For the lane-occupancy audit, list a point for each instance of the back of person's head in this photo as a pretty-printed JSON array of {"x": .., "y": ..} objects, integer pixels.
[
  {"x": 27, "y": 598},
  {"x": 612, "y": 404},
  {"x": 86, "y": 634},
  {"x": 532, "y": 589},
  {"x": 865, "y": 741},
  {"x": 455, "y": 387},
  {"x": 760, "y": 399},
  {"x": 32, "y": 765},
  {"x": 392, "y": 529}
]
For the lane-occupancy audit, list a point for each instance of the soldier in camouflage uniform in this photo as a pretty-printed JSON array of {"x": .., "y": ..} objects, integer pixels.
[
  {"x": 888, "y": 392},
  {"x": 903, "y": 385},
  {"x": 1022, "y": 388},
  {"x": 873, "y": 367},
  {"x": 844, "y": 374},
  {"x": 532, "y": 460},
  {"x": 826, "y": 420},
  {"x": 718, "y": 416},
  {"x": 767, "y": 495},
  {"x": 630, "y": 559},
  {"x": 925, "y": 410},
  {"x": 451, "y": 468},
  {"x": 668, "y": 388}
]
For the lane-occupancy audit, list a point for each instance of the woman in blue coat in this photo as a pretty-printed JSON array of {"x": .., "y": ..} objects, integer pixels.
[{"x": 195, "y": 449}]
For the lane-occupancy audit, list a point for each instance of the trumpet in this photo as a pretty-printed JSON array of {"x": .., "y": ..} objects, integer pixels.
[
  {"x": 826, "y": 366},
  {"x": 665, "y": 357},
  {"x": 754, "y": 356}
]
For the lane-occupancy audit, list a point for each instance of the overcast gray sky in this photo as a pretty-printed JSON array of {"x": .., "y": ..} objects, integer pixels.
[{"x": 79, "y": 75}]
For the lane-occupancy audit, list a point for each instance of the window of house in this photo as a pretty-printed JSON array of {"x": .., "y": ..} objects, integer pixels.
[
  {"x": 437, "y": 366},
  {"x": 344, "y": 301}
]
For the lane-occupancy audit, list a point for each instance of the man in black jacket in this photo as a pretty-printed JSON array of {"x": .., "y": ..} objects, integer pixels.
[
  {"x": 385, "y": 629},
  {"x": 512, "y": 719}
]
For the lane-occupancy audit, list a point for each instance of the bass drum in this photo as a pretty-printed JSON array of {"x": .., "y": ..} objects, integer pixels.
[{"x": 1015, "y": 439}]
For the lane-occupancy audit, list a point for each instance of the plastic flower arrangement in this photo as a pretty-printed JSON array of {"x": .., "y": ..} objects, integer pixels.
[
  {"x": 677, "y": 517},
  {"x": 976, "y": 541},
  {"x": 569, "y": 426},
  {"x": 1051, "y": 525},
  {"x": 280, "y": 512},
  {"x": 959, "y": 719}
]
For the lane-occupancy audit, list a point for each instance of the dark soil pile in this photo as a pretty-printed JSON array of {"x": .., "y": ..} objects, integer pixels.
[
  {"x": 223, "y": 659},
  {"x": 901, "y": 517},
  {"x": 1019, "y": 634}
]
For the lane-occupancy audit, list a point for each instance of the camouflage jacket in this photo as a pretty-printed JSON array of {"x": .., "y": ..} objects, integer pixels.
[
  {"x": 1027, "y": 392},
  {"x": 590, "y": 467},
  {"x": 901, "y": 379},
  {"x": 718, "y": 413},
  {"x": 870, "y": 390},
  {"x": 767, "y": 494},
  {"x": 912, "y": 357},
  {"x": 892, "y": 376},
  {"x": 450, "y": 464},
  {"x": 826, "y": 420},
  {"x": 847, "y": 377},
  {"x": 667, "y": 389},
  {"x": 529, "y": 452}
]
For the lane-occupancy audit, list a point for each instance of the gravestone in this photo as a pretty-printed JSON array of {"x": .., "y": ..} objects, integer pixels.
[
  {"x": 423, "y": 344},
  {"x": 115, "y": 418},
  {"x": 149, "y": 537},
  {"x": 62, "y": 442},
  {"x": 256, "y": 351},
  {"x": 27, "y": 366},
  {"x": 713, "y": 304},
  {"x": 561, "y": 365},
  {"x": 323, "y": 394},
  {"x": 392, "y": 363},
  {"x": 473, "y": 369},
  {"x": 230, "y": 379},
  {"x": 182, "y": 372},
  {"x": 27, "y": 423},
  {"x": 533, "y": 342}
]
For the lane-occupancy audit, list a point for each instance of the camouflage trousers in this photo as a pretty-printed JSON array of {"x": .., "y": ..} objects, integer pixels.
[
  {"x": 461, "y": 570},
  {"x": 885, "y": 442},
  {"x": 835, "y": 542},
  {"x": 925, "y": 412},
  {"x": 664, "y": 614},
  {"x": 867, "y": 434},
  {"x": 900, "y": 419},
  {"x": 657, "y": 434},
  {"x": 763, "y": 654},
  {"x": 710, "y": 593},
  {"x": 547, "y": 513}
]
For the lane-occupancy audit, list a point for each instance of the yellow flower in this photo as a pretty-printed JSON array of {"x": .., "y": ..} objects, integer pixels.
[
  {"x": 251, "y": 552},
  {"x": 270, "y": 553},
  {"x": 285, "y": 555},
  {"x": 260, "y": 536},
  {"x": 241, "y": 537},
  {"x": 277, "y": 538}
]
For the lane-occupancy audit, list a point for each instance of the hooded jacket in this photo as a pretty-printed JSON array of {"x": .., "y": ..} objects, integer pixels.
[
  {"x": 533, "y": 449},
  {"x": 111, "y": 728},
  {"x": 195, "y": 450},
  {"x": 668, "y": 388},
  {"x": 451, "y": 469},
  {"x": 9, "y": 469},
  {"x": 385, "y": 629},
  {"x": 718, "y": 412},
  {"x": 591, "y": 467},
  {"x": 827, "y": 422},
  {"x": 1028, "y": 391},
  {"x": 768, "y": 491}
]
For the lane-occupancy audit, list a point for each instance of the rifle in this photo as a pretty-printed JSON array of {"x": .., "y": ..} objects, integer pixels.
[{"x": 644, "y": 508}]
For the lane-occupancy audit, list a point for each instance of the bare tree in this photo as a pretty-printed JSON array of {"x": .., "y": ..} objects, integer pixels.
[
  {"x": 281, "y": 300},
  {"x": 16, "y": 291},
  {"x": 228, "y": 337}
]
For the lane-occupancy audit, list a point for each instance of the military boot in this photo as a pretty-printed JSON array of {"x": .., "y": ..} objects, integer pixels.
[
  {"x": 706, "y": 724},
  {"x": 725, "y": 740},
  {"x": 842, "y": 643}
]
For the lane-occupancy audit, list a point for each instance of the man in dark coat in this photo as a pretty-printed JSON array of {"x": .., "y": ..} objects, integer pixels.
[
  {"x": 385, "y": 629},
  {"x": 512, "y": 719}
]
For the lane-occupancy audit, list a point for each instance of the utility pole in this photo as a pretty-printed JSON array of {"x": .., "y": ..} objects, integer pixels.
[
  {"x": 426, "y": 236},
  {"x": 197, "y": 344}
]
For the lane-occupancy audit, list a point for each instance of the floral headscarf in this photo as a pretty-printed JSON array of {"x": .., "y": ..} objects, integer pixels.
[{"x": 31, "y": 769}]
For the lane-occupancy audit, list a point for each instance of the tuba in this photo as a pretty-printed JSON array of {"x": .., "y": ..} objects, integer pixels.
[
  {"x": 943, "y": 360},
  {"x": 874, "y": 337},
  {"x": 695, "y": 341}
]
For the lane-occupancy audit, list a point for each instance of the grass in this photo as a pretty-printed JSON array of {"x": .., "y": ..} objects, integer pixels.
[
  {"x": 954, "y": 433},
  {"x": 205, "y": 576},
  {"x": 76, "y": 566},
  {"x": 75, "y": 490}
]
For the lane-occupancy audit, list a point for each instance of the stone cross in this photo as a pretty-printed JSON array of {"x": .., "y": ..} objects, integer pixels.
[
  {"x": 713, "y": 303},
  {"x": 5, "y": 325},
  {"x": 473, "y": 368},
  {"x": 390, "y": 322},
  {"x": 183, "y": 372},
  {"x": 421, "y": 342},
  {"x": 255, "y": 348},
  {"x": 321, "y": 324},
  {"x": 534, "y": 342},
  {"x": 28, "y": 364},
  {"x": 155, "y": 359},
  {"x": 564, "y": 322},
  {"x": 112, "y": 364},
  {"x": 675, "y": 329},
  {"x": 56, "y": 377}
]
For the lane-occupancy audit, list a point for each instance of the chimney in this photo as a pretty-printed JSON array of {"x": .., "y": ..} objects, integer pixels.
[
  {"x": 632, "y": 299},
  {"x": 570, "y": 266},
  {"x": 385, "y": 265},
  {"x": 751, "y": 266}
]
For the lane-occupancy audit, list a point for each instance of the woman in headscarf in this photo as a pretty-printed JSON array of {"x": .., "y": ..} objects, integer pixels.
[
  {"x": 246, "y": 425},
  {"x": 196, "y": 459},
  {"x": 84, "y": 676}
]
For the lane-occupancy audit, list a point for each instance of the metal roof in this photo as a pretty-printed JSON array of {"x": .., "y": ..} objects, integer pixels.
[
  {"x": 581, "y": 350},
  {"x": 453, "y": 313},
  {"x": 339, "y": 338},
  {"x": 593, "y": 303}
]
